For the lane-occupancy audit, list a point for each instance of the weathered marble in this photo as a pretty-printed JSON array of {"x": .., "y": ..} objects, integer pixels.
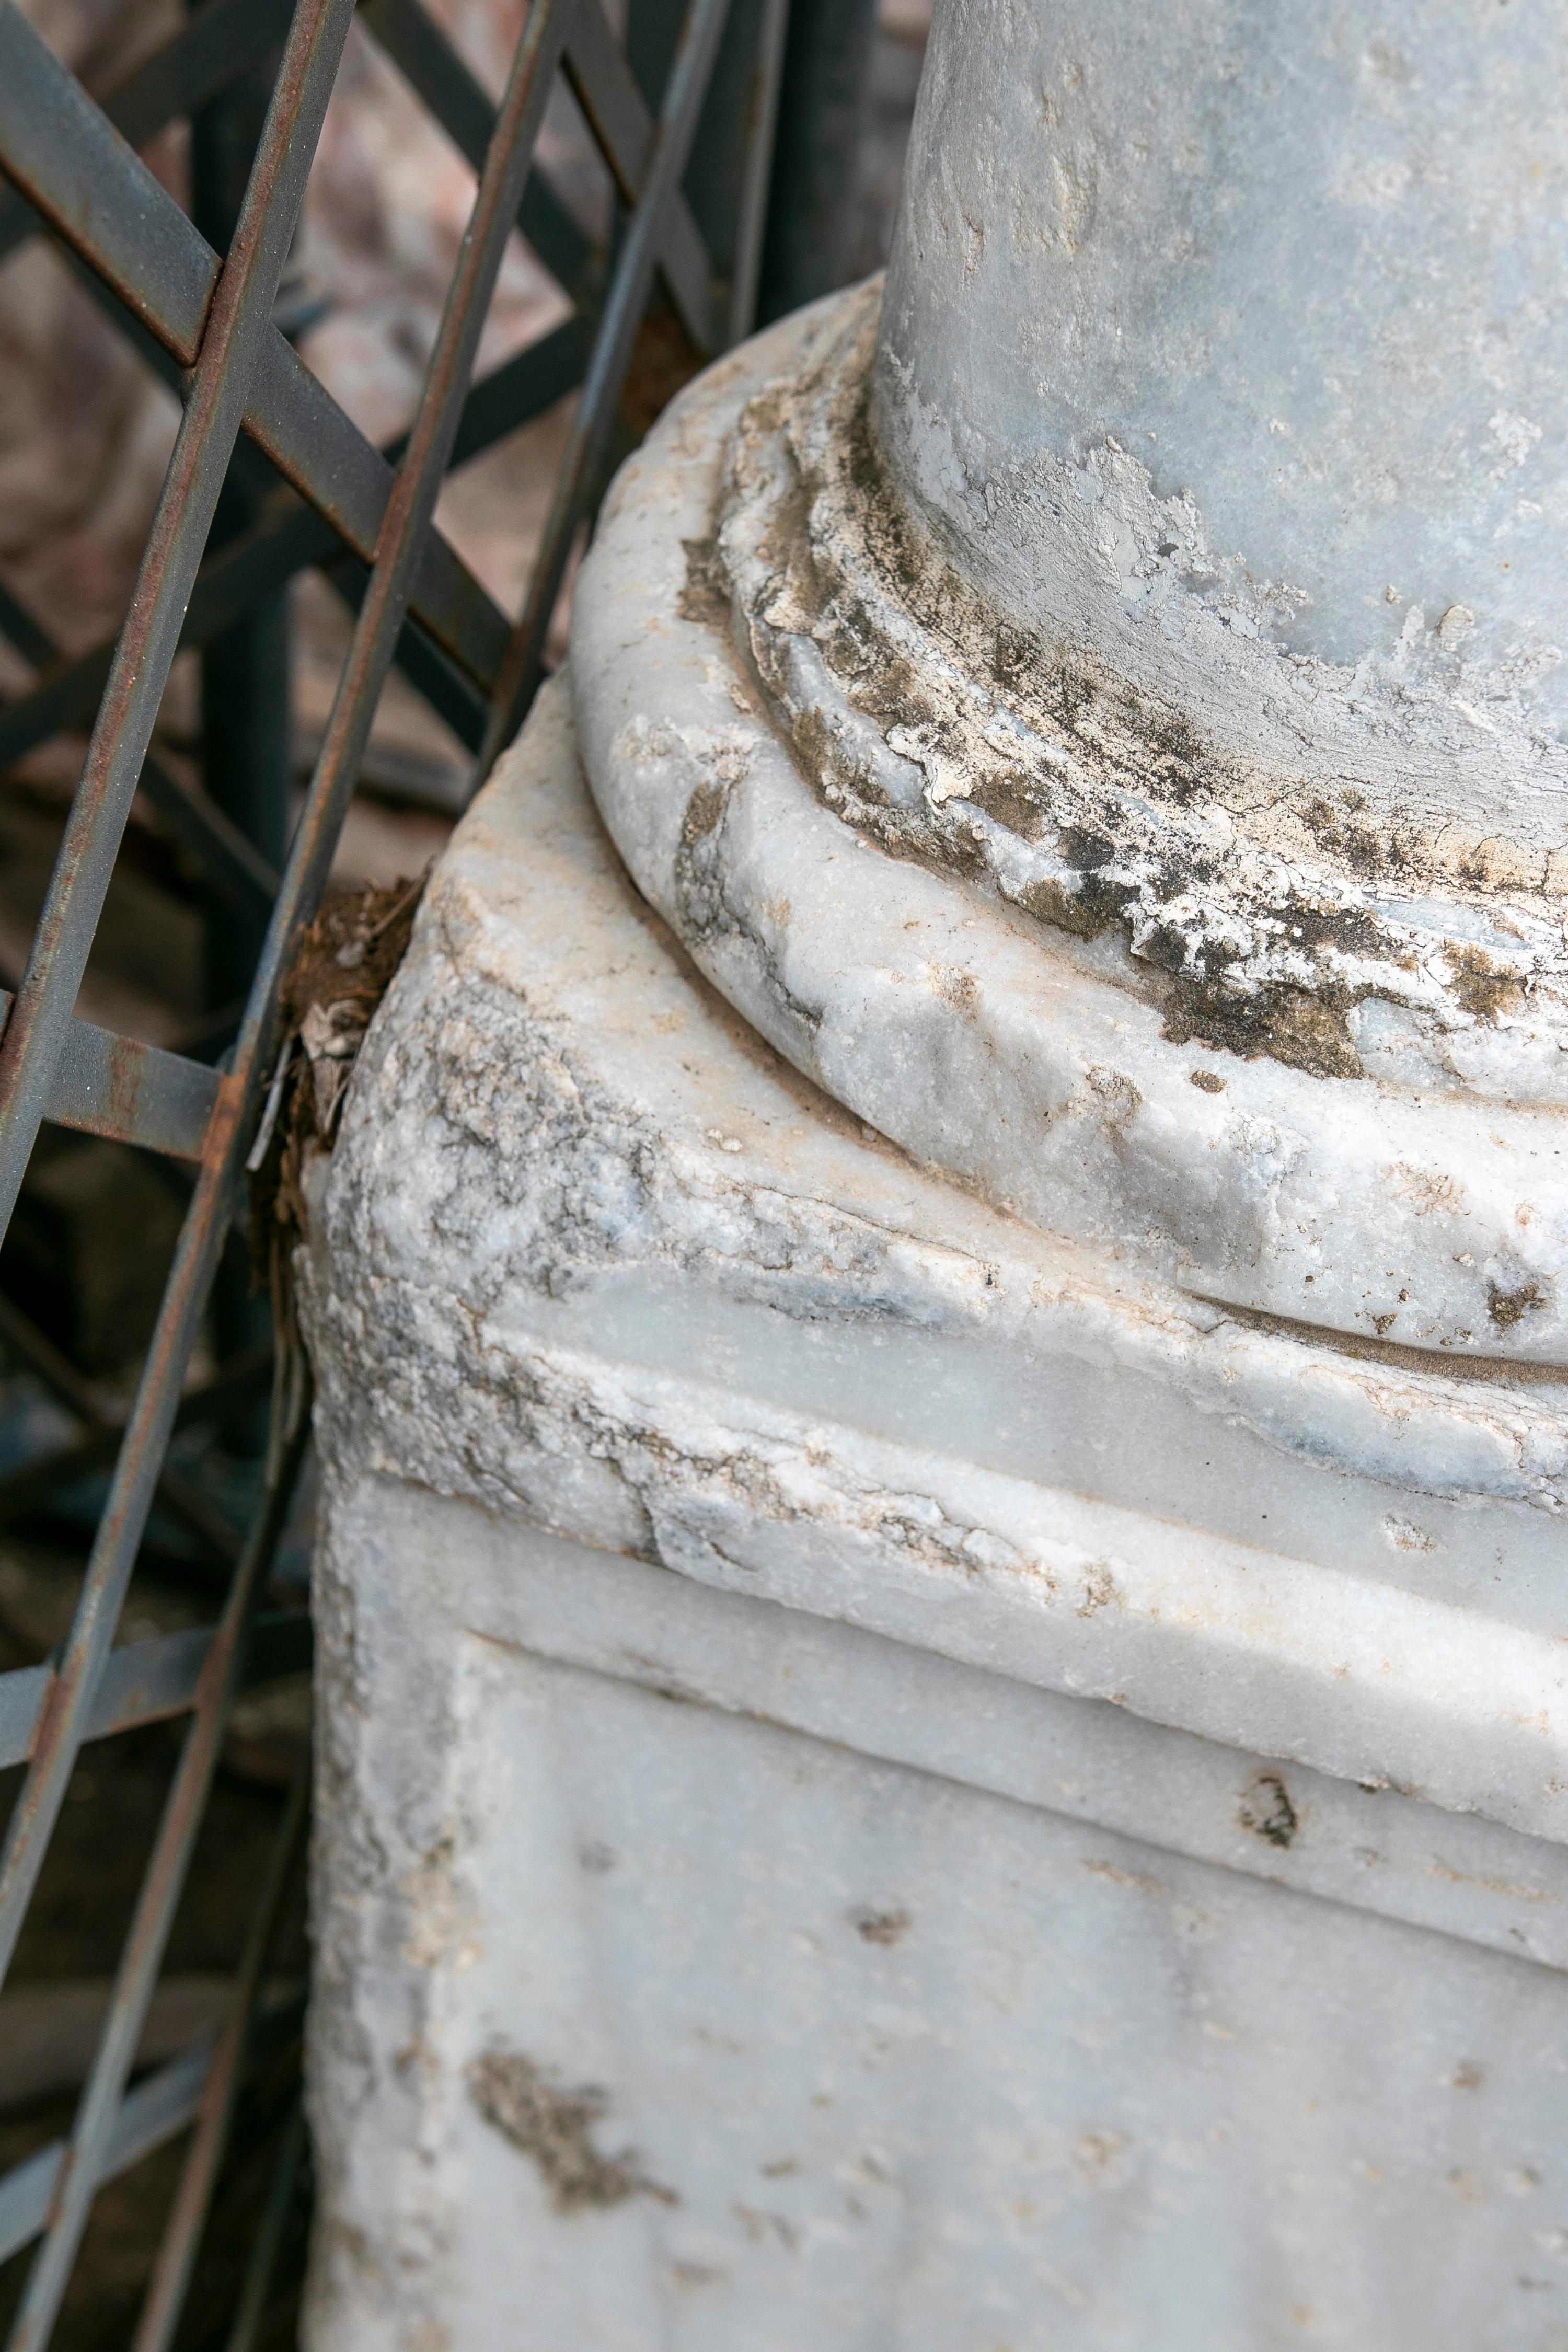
[
  {"x": 1391, "y": 1168},
  {"x": 1087, "y": 1618},
  {"x": 942, "y": 1311}
]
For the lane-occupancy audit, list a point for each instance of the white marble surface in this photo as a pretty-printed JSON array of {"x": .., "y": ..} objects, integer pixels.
[
  {"x": 1225, "y": 347},
  {"x": 1123, "y": 1756}
]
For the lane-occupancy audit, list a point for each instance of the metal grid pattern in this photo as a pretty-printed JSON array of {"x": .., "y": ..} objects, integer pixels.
[{"x": 690, "y": 172}]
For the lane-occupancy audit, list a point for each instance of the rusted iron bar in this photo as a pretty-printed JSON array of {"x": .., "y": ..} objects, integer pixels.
[
  {"x": 763, "y": 112},
  {"x": 148, "y": 2118},
  {"x": 155, "y": 2111},
  {"x": 437, "y": 74},
  {"x": 372, "y": 533},
  {"x": 187, "y": 2215},
  {"x": 107, "y": 1085},
  {"x": 614, "y": 109},
  {"x": 288, "y": 539},
  {"x": 31, "y": 1043},
  {"x": 217, "y": 46},
  {"x": 235, "y": 338},
  {"x": 98, "y": 195},
  {"x": 81, "y": 2166},
  {"x": 148, "y": 1682},
  {"x": 408, "y": 512},
  {"x": 523, "y": 665},
  {"x": 375, "y": 636}
]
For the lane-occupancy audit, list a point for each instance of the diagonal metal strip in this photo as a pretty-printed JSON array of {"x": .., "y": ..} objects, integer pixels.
[
  {"x": 223, "y": 42},
  {"x": 148, "y": 1682},
  {"x": 35, "y": 1030},
  {"x": 262, "y": 558},
  {"x": 82, "y": 2165},
  {"x": 90, "y": 185},
  {"x": 376, "y": 637},
  {"x": 418, "y": 606},
  {"x": 232, "y": 346},
  {"x": 155, "y": 2110},
  {"x": 688, "y": 86},
  {"x": 148, "y": 2118},
  {"x": 433, "y": 70},
  {"x": 614, "y": 111},
  {"x": 766, "y": 77},
  {"x": 419, "y": 478},
  {"x": 235, "y": 869},
  {"x": 181, "y": 2233},
  {"x": 101, "y": 198},
  {"x": 106, "y": 1084},
  {"x": 612, "y": 106}
]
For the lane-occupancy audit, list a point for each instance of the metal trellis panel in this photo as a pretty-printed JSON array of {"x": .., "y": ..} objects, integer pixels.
[{"x": 325, "y": 498}]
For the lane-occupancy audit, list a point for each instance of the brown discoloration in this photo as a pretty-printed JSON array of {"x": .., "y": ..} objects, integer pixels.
[
  {"x": 1247, "y": 891},
  {"x": 1119, "y": 1098},
  {"x": 958, "y": 987},
  {"x": 1083, "y": 913},
  {"x": 342, "y": 966},
  {"x": 1343, "y": 833},
  {"x": 553, "y": 2124},
  {"x": 1162, "y": 750},
  {"x": 1485, "y": 988},
  {"x": 1209, "y": 1081},
  {"x": 704, "y": 595},
  {"x": 703, "y": 811},
  {"x": 882, "y": 1927},
  {"x": 1015, "y": 800},
  {"x": 1303, "y": 1031},
  {"x": 1507, "y": 1308},
  {"x": 1099, "y": 1591}
]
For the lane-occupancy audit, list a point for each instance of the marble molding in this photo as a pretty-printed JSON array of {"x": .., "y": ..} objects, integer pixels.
[{"x": 1361, "y": 1131}]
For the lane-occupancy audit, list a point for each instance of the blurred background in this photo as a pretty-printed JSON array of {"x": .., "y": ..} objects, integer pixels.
[{"x": 86, "y": 429}]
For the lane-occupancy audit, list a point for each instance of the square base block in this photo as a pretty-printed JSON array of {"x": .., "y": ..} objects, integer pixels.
[{"x": 885, "y": 1788}]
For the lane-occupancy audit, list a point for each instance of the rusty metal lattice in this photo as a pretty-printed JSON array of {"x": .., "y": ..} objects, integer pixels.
[{"x": 689, "y": 158}]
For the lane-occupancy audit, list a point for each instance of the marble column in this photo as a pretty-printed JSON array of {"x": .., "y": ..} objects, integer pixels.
[{"x": 940, "y": 1309}]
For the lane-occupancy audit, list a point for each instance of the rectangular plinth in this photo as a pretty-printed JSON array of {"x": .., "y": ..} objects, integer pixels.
[{"x": 711, "y": 1976}]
